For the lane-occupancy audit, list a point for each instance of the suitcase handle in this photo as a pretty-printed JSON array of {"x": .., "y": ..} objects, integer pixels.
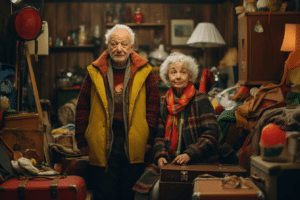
[{"x": 257, "y": 178}]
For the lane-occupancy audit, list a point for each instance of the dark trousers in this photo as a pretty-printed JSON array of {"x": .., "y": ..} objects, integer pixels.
[{"x": 120, "y": 177}]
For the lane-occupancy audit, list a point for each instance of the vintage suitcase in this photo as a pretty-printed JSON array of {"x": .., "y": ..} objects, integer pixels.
[
  {"x": 78, "y": 166},
  {"x": 187, "y": 173},
  {"x": 229, "y": 188},
  {"x": 277, "y": 180},
  {"x": 37, "y": 188},
  {"x": 176, "y": 180}
]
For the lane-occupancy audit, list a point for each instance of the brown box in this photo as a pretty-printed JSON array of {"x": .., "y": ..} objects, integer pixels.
[
  {"x": 29, "y": 121},
  {"x": 27, "y": 139}
]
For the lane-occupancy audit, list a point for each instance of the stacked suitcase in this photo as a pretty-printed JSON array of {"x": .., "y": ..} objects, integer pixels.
[
  {"x": 176, "y": 181},
  {"x": 277, "y": 180},
  {"x": 45, "y": 188},
  {"x": 231, "y": 188}
]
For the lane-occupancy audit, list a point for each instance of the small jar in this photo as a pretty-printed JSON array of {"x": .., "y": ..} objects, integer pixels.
[{"x": 251, "y": 6}]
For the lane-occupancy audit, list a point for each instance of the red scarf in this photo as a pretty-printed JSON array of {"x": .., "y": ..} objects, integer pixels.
[{"x": 171, "y": 135}]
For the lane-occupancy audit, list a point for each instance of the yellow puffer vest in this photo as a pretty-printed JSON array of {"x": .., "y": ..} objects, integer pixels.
[{"x": 98, "y": 130}]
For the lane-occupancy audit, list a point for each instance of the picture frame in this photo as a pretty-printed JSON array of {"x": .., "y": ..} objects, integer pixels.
[{"x": 181, "y": 30}]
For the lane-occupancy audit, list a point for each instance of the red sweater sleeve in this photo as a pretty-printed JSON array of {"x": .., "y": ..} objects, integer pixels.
[
  {"x": 82, "y": 112},
  {"x": 152, "y": 105}
]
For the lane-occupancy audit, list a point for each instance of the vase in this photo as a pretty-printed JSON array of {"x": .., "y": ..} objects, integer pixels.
[{"x": 138, "y": 16}]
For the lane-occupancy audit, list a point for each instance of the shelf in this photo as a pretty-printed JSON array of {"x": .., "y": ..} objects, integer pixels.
[
  {"x": 72, "y": 47},
  {"x": 139, "y": 25}
]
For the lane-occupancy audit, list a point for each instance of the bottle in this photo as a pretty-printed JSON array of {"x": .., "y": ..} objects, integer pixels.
[
  {"x": 138, "y": 16},
  {"x": 82, "y": 37},
  {"x": 97, "y": 41}
]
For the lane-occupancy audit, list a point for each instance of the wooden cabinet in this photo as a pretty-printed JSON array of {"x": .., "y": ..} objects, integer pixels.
[{"x": 259, "y": 57}]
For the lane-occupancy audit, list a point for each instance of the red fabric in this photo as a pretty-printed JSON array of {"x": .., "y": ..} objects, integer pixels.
[
  {"x": 219, "y": 109},
  {"x": 206, "y": 81},
  {"x": 242, "y": 93},
  {"x": 173, "y": 116}
]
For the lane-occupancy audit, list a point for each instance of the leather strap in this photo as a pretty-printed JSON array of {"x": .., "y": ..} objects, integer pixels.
[
  {"x": 53, "y": 185},
  {"x": 235, "y": 182},
  {"x": 21, "y": 189}
]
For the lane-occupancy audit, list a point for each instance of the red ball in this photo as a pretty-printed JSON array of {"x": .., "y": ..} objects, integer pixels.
[
  {"x": 272, "y": 135},
  {"x": 219, "y": 109}
]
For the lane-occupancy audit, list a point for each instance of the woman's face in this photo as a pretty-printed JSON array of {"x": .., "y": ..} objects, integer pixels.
[{"x": 178, "y": 75}]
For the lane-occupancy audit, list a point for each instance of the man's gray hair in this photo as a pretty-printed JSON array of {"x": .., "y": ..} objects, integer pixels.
[
  {"x": 119, "y": 26},
  {"x": 189, "y": 61}
]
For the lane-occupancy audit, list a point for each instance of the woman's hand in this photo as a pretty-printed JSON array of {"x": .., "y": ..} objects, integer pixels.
[
  {"x": 161, "y": 162},
  {"x": 181, "y": 159}
]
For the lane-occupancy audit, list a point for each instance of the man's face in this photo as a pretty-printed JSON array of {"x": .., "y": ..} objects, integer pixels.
[
  {"x": 178, "y": 75},
  {"x": 119, "y": 46}
]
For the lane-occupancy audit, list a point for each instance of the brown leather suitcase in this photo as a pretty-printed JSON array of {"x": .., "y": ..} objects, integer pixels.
[
  {"x": 44, "y": 188},
  {"x": 176, "y": 180},
  {"x": 219, "y": 188},
  {"x": 187, "y": 173}
]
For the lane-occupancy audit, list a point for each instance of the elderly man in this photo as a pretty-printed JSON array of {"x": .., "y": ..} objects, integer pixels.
[{"x": 116, "y": 116}]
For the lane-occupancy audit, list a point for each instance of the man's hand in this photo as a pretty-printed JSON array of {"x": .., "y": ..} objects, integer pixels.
[
  {"x": 161, "y": 162},
  {"x": 181, "y": 159}
]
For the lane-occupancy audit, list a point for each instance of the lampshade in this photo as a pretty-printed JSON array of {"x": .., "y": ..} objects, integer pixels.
[
  {"x": 291, "y": 38},
  {"x": 206, "y": 35}
]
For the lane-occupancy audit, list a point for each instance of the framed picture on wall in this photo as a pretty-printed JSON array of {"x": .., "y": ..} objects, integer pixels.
[{"x": 181, "y": 30}]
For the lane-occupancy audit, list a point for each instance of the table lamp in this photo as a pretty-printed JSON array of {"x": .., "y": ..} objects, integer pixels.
[
  {"x": 205, "y": 35},
  {"x": 291, "y": 38},
  {"x": 291, "y": 43}
]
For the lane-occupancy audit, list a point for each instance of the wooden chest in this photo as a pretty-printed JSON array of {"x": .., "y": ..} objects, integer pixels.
[
  {"x": 28, "y": 121},
  {"x": 259, "y": 57},
  {"x": 277, "y": 180},
  {"x": 26, "y": 139}
]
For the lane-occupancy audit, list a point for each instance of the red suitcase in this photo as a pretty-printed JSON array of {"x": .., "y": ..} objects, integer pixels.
[{"x": 44, "y": 188}]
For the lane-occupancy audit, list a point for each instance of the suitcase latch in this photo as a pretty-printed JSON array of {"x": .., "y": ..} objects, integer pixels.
[{"x": 184, "y": 176}]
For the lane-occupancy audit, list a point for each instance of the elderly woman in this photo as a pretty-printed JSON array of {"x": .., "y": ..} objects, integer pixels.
[{"x": 188, "y": 131}]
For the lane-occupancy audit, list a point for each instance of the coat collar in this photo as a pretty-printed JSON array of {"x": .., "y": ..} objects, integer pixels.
[{"x": 102, "y": 62}]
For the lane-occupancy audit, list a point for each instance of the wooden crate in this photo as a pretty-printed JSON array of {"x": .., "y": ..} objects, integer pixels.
[
  {"x": 27, "y": 139},
  {"x": 28, "y": 121}
]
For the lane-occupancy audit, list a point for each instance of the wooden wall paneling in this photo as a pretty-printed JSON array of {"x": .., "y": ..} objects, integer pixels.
[
  {"x": 73, "y": 19},
  {"x": 157, "y": 32},
  {"x": 62, "y": 29},
  {"x": 96, "y": 19},
  {"x": 84, "y": 19},
  {"x": 166, "y": 21},
  {"x": 4, "y": 15},
  {"x": 48, "y": 62}
]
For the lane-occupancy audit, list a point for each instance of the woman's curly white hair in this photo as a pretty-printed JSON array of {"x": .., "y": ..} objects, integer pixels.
[
  {"x": 119, "y": 26},
  {"x": 189, "y": 61}
]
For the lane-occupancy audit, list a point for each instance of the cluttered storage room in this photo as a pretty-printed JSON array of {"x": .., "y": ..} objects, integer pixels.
[{"x": 149, "y": 99}]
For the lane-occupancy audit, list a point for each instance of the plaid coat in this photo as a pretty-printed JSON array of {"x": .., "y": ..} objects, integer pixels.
[{"x": 200, "y": 137}]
